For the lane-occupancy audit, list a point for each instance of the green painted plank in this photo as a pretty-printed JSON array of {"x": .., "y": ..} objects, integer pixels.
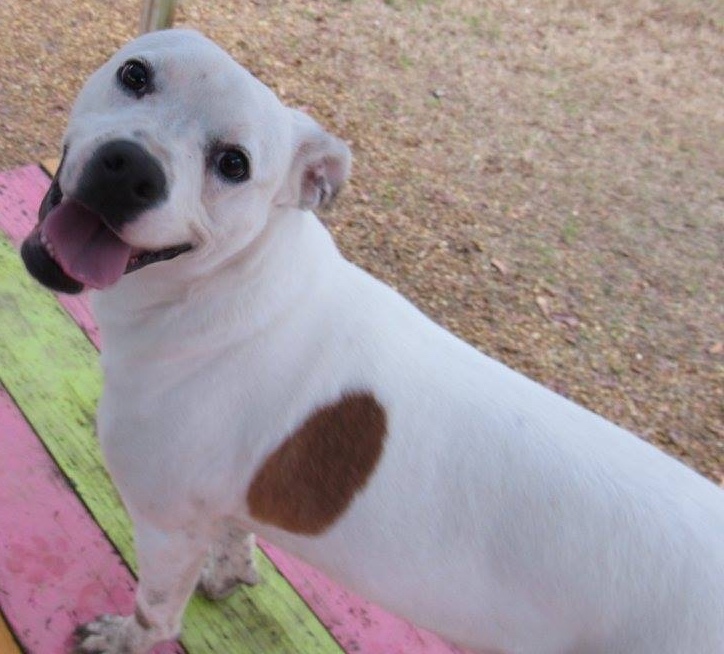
[{"x": 52, "y": 372}]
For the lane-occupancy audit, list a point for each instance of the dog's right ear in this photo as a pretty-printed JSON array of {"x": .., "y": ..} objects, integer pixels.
[{"x": 320, "y": 165}]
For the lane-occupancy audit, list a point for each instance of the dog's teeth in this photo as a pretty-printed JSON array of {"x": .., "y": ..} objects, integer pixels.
[{"x": 45, "y": 242}]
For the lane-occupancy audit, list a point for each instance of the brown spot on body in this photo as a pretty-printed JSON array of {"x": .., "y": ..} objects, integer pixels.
[{"x": 312, "y": 477}]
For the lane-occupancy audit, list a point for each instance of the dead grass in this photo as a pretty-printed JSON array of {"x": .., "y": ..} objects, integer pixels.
[{"x": 545, "y": 178}]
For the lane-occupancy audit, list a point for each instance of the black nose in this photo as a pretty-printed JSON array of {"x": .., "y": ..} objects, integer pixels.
[{"x": 120, "y": 181}]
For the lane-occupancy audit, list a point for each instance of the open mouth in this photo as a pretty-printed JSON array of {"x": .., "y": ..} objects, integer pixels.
[{"x": 80, "y": 242}]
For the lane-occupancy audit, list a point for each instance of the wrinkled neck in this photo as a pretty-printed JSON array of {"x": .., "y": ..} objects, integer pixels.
[{"x": 239, "y": 299}]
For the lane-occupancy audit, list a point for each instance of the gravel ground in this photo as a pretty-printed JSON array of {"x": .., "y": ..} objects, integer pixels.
[{"x": 544, "y": 178}]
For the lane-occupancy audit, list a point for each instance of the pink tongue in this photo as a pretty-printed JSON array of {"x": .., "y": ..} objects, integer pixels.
[{"x": 83, "y": 246}]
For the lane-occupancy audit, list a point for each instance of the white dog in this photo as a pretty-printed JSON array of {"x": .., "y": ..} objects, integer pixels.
[{"x": 256, "y": 381}]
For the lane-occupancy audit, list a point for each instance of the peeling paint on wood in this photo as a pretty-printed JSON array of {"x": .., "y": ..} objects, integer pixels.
[{"x": 56, "y": 566}]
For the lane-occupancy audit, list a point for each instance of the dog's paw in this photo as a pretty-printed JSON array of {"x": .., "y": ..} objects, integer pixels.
[
  {"x": 110, "y": 634},
  {"x": 221, "y": 577},
  {"x": 230, "y": 563}
]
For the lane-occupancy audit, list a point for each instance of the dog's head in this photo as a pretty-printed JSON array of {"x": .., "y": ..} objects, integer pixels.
[{"x": 174, "y": 156}]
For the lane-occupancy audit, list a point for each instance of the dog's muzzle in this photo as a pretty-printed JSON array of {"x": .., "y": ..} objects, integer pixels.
[{"x": 76, "y": 241}]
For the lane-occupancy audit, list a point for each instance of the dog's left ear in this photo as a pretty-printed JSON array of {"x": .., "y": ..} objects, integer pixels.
[{"x": 320, "y": 165}]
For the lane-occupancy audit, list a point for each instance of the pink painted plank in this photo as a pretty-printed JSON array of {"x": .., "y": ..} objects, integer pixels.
[
  {"x": 358, "y": 625},
  {"x": 21, "y": 191},
  {"x": 57, "y": 569}
]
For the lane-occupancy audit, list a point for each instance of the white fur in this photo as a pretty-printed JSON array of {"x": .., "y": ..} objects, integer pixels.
[{"x": 501, "y": 515}]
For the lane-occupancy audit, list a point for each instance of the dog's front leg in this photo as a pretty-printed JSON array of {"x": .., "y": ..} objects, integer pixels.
[{"x": 169, "y": 565}]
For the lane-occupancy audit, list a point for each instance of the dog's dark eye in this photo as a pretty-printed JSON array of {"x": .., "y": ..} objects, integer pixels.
[
  {"x": 135, "y": 76},
  {"x": 233, "y": 165}
]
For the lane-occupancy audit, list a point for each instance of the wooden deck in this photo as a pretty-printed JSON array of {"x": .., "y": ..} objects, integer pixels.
[{"x": 66, "y": 550}]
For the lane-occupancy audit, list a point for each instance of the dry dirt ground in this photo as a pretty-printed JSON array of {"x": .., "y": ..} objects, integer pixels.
[{"x": 545, "y": 178}]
